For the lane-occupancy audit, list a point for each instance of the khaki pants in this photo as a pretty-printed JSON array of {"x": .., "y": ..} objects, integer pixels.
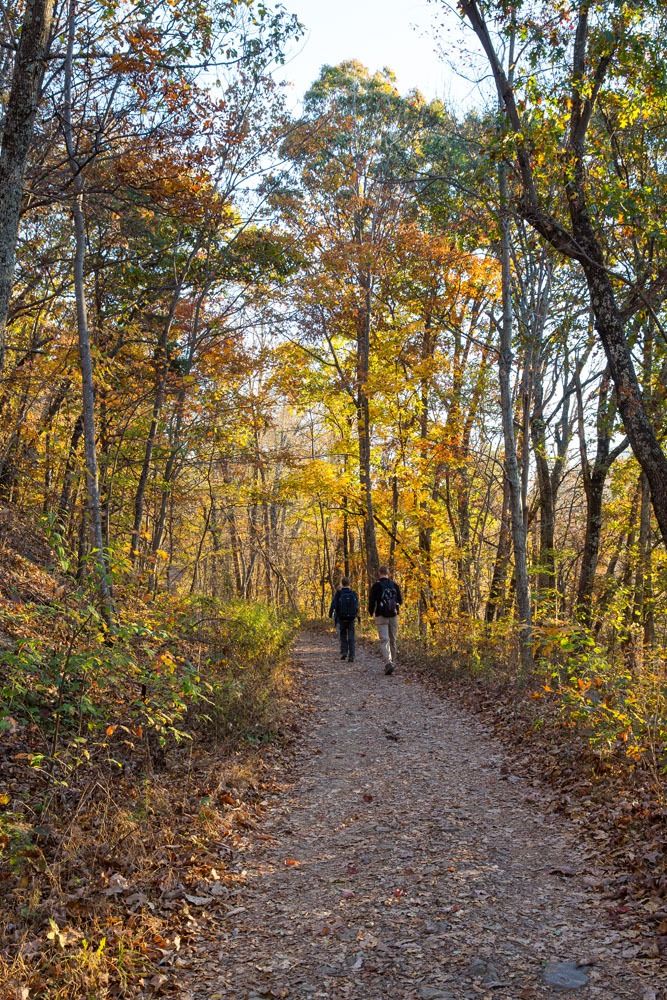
[{"x": 388, "y": 633}]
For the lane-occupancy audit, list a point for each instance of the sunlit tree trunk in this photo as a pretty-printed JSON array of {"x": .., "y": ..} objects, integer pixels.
[
  {"x": 364, "y": 428},
  {"x": 85, "y": 353}
]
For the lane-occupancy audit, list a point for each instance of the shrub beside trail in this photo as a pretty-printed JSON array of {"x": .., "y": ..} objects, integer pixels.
[{"x": 129, "y": 764}]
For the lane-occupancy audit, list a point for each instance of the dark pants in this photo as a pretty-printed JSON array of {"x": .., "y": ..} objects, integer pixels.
[{"x": 346, "y": 632}]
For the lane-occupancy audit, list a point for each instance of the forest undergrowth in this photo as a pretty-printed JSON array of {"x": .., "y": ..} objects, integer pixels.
[{"x": 131, "y": 765}]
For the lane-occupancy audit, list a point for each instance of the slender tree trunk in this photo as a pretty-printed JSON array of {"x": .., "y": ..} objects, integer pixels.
[
  {"x": 364, "y": 429},
  {"x": 88, "y": 400},
  {"x": 200, "y": 549},
  {"x": 20, "y": 113},
  {"x": 48, "y": 473},
  {"x": 496, "y": 600},
  {"x": 594, "y": 479},
  {"x": 82, "y": 547},
  {"x": 394, "y": 522},
  {"x": 140, "y": 495},
  {"x": 594, "y": 497},
  {"x": 106, "y": 478},
  {"x": 328, "y": 568},
  {"x": 230, "y": 516},
  {"x": 161, "y": 362},
  {"x": 85, "y": 353},
  {"x": 465, "y": 557},
  {"x": 547, "y": 564},
  {"x": 69, "y": 474},
  {"x": 346, "y": 538},
  {"x": 239, "y": 574},
  {"x": 643, "y": 604},
  {"x": 10, "y": 457},
  {"x": 168, "y": 475},
  {"x": 511, "y": 463},
  {"x": 425, "y": 589},
  {"x": 425, "y": 497}
]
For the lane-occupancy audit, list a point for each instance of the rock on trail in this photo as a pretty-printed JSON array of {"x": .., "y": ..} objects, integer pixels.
[{"x": 403, "y": 864}]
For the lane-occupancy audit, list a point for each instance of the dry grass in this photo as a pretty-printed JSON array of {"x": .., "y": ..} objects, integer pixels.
[{"x": 99, "y": 866}]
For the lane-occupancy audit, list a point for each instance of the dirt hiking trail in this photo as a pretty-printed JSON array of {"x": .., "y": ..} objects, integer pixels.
[{"x": 406, "y": 861}]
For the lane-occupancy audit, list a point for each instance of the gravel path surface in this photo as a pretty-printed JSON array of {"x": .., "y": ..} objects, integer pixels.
[{"x": 406, "y": 861}]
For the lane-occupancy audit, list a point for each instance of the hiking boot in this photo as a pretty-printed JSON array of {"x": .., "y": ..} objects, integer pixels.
[
  {"x": 350, "y": 659},
  {"x": 389, "y": 668},
  {"x": 343, "y": 656}
]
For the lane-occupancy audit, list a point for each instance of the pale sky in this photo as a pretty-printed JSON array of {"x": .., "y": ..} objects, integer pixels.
[{"x": 400, "y": 34}]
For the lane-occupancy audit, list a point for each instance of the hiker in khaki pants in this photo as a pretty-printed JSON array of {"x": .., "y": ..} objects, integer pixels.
[{"x": 384, "y": 602}]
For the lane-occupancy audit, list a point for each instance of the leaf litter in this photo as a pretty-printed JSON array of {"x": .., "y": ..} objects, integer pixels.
[{"x": 409, "y": 869}]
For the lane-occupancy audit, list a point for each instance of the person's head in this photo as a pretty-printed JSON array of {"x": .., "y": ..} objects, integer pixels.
[
  {"x": 383, "y": 571},
  {"x": 345, "y": 582}
]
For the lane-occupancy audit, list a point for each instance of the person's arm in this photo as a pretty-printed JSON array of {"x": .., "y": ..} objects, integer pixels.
[
  {"x": 399, "y": 595},
  {"x": 332, "y": 606},
  {"x": 372, "y": 600}
]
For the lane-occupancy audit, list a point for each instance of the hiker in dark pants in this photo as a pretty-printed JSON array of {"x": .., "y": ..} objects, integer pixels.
[{"x": 345, "y": 611}]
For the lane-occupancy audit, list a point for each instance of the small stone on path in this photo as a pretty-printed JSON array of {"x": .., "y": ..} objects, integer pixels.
[{"x": 565, "y": 976}]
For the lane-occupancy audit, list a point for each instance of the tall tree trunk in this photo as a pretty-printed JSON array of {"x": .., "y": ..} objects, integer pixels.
[
  {"x": 217, "y": 545},
  {"x": 394, "y": 523},
  {"x": 326, "y": 562},
  {"x": 425, "y": 528},
  {"x": 239, "y": 573},
  {"x": 346, "y": 538},
  {"x": 425, "y": 588},
  {"x": 464, "y": 558},
  {"x": 168, "y": 475},
  {"x": 238, "y": 567},
  {"x": 161, "y": 362},
  {"x": 496, "y": 600},
  {"x": 158, "y": 402},
  {"x": 511, "y": 463},
  {"x": 20, "y": 113},
  {"x": 594, "y": 489},
  {"x": 547, "y": 562},
  {"x": 85, "y": 353},
  {"x": 594, "y": 479},
  {"x": 69, "y": 474},
  {"x": 643, "y": 598},
  {"x": 364, "y": 428},
  {"x": 200, "y": 549}
]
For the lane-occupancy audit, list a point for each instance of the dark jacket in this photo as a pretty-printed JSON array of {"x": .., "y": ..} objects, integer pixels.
[
  {"x": 376, "y": 594},
  {"x": 332, "y": 606},
  {"x": 334, "y": 611}
]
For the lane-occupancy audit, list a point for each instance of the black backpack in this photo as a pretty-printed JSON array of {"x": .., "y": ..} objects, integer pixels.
[
  {"x": 348, "y": 605},
  {"x": 388, "y": 603}
]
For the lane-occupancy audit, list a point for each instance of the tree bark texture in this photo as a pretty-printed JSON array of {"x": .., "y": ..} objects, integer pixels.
[
  {"x": 511, "y": 463},
  {"x": 85, "y": 352},
  {"x": 19, "y": 122},
  {"x": 364, "y": 430}
]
